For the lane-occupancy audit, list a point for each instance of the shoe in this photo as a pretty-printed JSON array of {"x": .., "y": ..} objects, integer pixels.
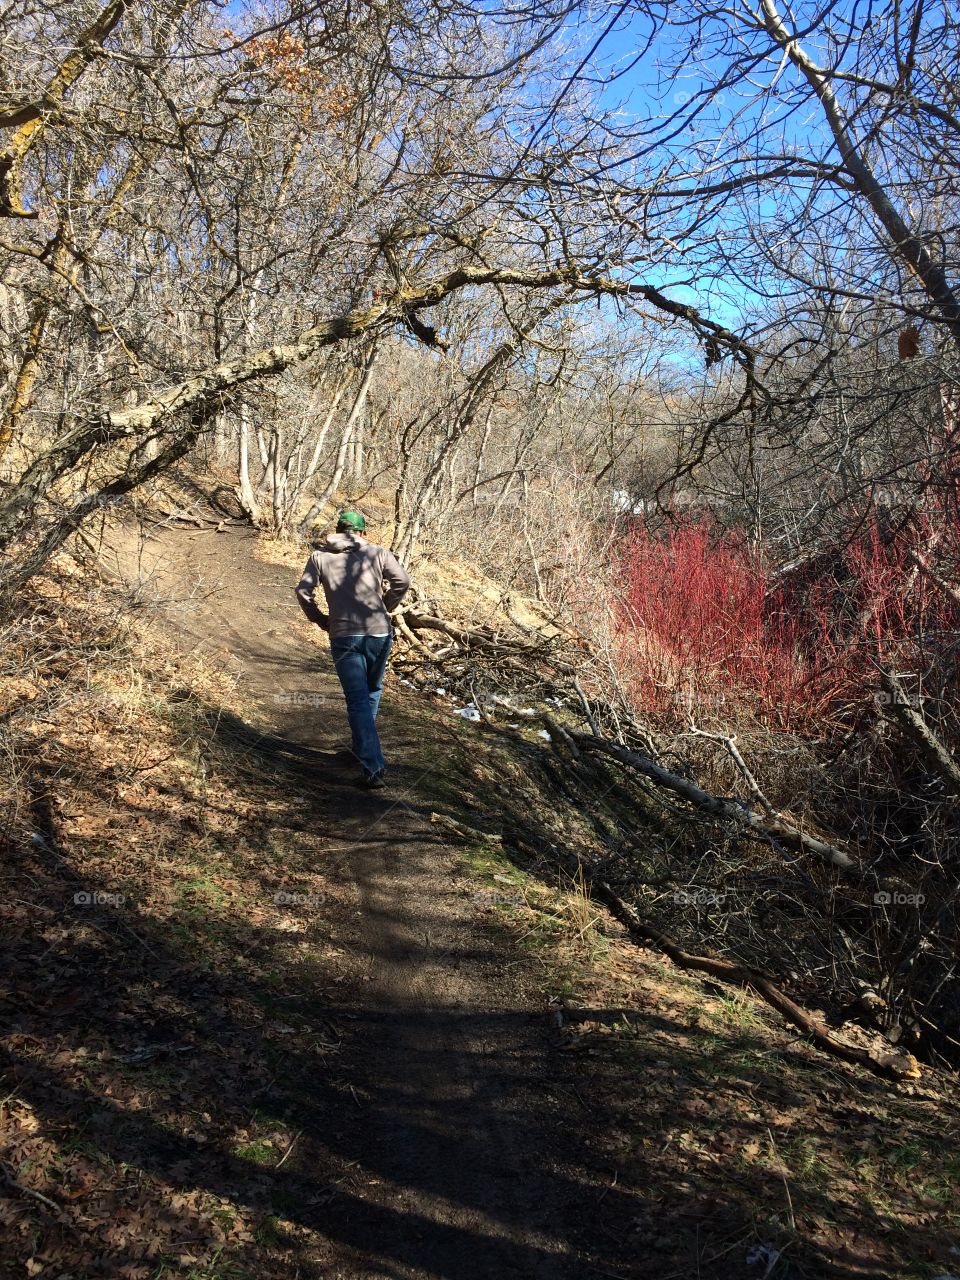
[{"x": 372, "y": 781}]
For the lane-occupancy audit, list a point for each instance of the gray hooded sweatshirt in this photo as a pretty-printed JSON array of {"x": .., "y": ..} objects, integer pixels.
[{"x": 362, "y": 583}]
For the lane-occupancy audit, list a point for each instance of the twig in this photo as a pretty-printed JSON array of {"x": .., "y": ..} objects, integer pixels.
[
  {"x": 62, "y": 1216},
  {"x": 783, "y": 1175},
  {"x": 586, "y": 707},
  {"x": 728, "y": 742},
  {"x": 608, "y": 1189},
  {"x": 289, "y": 1149}
]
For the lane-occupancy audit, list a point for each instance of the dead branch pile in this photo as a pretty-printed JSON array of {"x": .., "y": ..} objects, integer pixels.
[{"x": 491, "y": 668}]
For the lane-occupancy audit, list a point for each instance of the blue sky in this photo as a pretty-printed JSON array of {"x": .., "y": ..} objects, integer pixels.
[{"x": 636, "y": 94}]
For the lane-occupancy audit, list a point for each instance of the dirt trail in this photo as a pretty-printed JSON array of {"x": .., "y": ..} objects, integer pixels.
[{"x": 458, "y": 1147}]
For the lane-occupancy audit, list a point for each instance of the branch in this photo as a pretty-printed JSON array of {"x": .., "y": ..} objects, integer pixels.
[
  {"x": 30, "y": 119},
  {"x": 204, "y": 390},
  {"x": 895, "y": 1066},
  {"x": 770, "y": 826},
  {"x": 729, "y": 743},
  {"x": 906, "y": 246},
  {"x": 917, "y": 729},
  {"x": 71, "y": 519},
  {"x": 924, "y": 565}
]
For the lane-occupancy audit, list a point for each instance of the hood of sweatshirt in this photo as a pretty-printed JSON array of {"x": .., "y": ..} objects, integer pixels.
[{"x": 341, "y": 542}]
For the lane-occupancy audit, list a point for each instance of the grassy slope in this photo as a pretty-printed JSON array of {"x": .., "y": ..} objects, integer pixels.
[{"x": 127, "y": 774}]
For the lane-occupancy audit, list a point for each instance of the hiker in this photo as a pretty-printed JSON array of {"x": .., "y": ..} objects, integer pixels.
[{"x": 362, "y": 584}]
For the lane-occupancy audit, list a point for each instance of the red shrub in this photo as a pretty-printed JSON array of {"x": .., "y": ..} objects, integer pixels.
[{"x": 701, "y": 621}]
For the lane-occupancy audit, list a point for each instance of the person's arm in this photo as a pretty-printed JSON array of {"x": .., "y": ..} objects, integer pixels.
[
  {"x": 396, "y": 581},
  {"x": 305, "y": 588}
]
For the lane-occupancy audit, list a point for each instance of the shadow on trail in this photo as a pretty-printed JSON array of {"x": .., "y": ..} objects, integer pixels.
[{"x": 425, "y": 1141}]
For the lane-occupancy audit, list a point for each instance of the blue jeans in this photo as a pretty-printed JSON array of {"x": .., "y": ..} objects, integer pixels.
[{"x": 361, "y": 662}]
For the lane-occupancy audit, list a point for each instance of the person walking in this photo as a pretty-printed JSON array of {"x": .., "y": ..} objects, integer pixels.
[{"x": 362, "y": 583}]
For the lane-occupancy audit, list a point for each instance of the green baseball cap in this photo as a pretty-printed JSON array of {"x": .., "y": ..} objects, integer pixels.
[{"x": 351, "y": 520}]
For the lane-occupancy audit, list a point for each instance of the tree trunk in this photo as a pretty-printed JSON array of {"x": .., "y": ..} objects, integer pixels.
[{"x": 245, "y": 493}]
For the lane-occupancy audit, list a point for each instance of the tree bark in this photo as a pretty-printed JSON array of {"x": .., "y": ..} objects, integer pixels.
[{"x": 29, "y": 119}]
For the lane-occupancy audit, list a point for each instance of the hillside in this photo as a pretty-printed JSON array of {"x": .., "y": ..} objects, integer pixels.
[{"x": 303, "y": 1030}]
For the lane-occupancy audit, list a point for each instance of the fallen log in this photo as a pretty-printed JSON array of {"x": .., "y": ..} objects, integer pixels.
[
  {"x": 463, "y": 635},
  {"x": 409, "y": 636},
  {"x": 772, "y": 826},
  {"x": 891, "y": 1065}
]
